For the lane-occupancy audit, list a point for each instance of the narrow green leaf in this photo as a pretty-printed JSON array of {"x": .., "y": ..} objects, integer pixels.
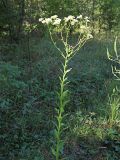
[
  {"x": 65, "y": 103},
  {"x": 68, "y": 70},
  {"x": 56, "y": 133},
  {"x": 115, "y": 47},
  {"x": 60, "y": 79},
  {"x": 61, "y": 144},
  {"x": 65, "y": 93},
  {"x": 53, "y": 152},
  {"x": 108, "y": 54},
  {"x": 62, "y": 109}
]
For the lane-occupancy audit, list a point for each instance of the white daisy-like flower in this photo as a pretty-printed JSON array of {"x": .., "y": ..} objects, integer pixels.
[
  {"x": 44, "y": 21},
  {"x": 74, "y": 21},
  {"x": 48, "y": 20},
  {"x": 66, "y": 19},
  {"x": 57, "y": 21},
  {"x": 40, "y": 19},
  {"x": 71, "y": 17},
  {"x": 87, "y": 19},
  {"x": 82, "y": 28},
  {"x": 79, "y": 17},
  {"x": 54, "y": 17}
]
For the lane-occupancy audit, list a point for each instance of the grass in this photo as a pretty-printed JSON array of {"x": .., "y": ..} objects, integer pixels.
[
  {"x": 27, "y": 114},
  {"x": 114, "y": 103}
]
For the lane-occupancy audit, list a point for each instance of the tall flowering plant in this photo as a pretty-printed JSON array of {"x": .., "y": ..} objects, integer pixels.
[{"x": 64, "y": 28}]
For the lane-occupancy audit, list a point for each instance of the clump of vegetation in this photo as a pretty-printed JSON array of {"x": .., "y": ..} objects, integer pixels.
[
  {"x": 114, "y": 112},
  {"x": 114, "y": 100}
]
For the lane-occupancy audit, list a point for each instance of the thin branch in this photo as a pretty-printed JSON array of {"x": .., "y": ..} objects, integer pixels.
[{"x": 55, "y": 43}]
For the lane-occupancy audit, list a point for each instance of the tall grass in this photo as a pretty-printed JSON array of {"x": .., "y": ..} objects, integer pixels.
[
  {"x": 114, "y": 103},
  {"x": 114, "y": 100}
]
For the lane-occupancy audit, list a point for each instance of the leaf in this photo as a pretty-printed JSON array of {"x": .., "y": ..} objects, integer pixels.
[
  {"x": 65, "y": 79},
  {"x": 60, "y": 79},
  {"x": 66, "y": 83},
  {"x": 115, "y": 47},
  {"x": 108, "y": 54},
  {"x": 59, "y": 118},
  {"x": 61, "y": 71},
  {"x": 53, "y": 151},
  {"x": 62, "y": 55},
  {"x": 65, "y": 103},
  {"x": 57, "y": 110},
  {"x": 65, "y": 93},
  {"x": 117, "y": 148},
  {"x": 58, "y": 94},
  {"x": 61, "y": 144},
  {"x": 56, "y": 133},
  {"x": 68, "y": 70},
  {"x": 62, "y": 109}
]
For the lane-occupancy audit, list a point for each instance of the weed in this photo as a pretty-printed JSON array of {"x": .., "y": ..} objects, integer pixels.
[
  {"x": 114, "y": 103},
  {"x": 64, "y": 28}
]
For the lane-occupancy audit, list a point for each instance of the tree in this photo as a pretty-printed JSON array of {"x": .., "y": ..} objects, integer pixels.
[{"x": 110, "y": 13}]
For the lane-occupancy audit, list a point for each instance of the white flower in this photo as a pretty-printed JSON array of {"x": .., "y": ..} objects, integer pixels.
[
  {"x": 87, "y": 19},
  {"x": 48, "y": 20},
  {"x": 82, "y": 29},
  {"x": 66, "y": 19},
  {"x": 40, "y": 19},
  {"x": 57, "y": 21},
  {"x": 69, "y": 18},
  {"x": 79, "y": 17},
  {"x": 74, "y": 21},
  {"x": 26, "y": 23},
  {"x": 89, "y": 36},
  {"x": 54, "y": 17},
  {"x": 44, "y": 21}
]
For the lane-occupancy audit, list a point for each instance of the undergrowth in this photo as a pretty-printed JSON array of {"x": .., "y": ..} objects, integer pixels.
[{"x": 27, "y": 104}]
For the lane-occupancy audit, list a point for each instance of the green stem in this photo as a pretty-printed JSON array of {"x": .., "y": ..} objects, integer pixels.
[{"x": 61, "y": 106}]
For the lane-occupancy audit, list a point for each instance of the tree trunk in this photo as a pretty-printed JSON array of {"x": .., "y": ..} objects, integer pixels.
[
  {"x": 21, "y": 18},
  {"x": 93, "y": 17}
]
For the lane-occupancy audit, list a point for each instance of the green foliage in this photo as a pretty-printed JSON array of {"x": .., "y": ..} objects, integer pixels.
[
  {"x": 114, "y": 100},
  {"x": 114, "y": 112},
  {"x": 8, "y": 17},
  {"x": 116, "y": 71},
  {"x": 27, "y": 102},
  {"x": 110, "y": 14},
  {"x": 11, "y": 86},
  {"x": 16, "y": 14}
]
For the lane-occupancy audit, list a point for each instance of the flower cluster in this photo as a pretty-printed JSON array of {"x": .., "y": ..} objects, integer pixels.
[
  {"x": 65, "y": 25},
  {"x": 78, "y": 24},
  {"x": 54, "y": 20}
]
